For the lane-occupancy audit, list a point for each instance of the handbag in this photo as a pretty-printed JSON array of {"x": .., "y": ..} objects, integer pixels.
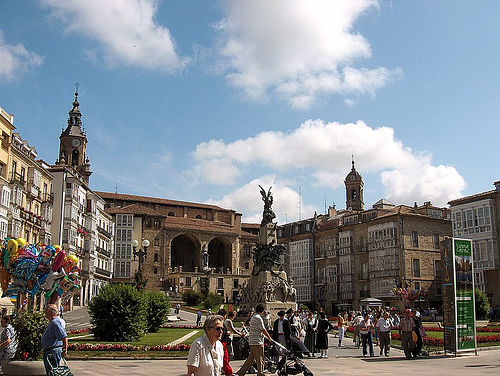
[
  {"x": 61, "y": 370},
  {"x": 422, "y": 331},
  {"x": 414, "y": 337}
]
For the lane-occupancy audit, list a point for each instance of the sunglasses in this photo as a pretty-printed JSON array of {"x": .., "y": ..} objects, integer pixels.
[{"x": 218, "y": 328}]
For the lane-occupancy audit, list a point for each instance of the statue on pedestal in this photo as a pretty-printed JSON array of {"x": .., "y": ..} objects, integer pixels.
[{"x": 268, "y": 282}]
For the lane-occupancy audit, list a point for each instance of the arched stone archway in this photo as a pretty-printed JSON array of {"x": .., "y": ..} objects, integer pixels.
[
  {"x": 185, "y": 252},
  {"x": 219, "y": 252}
]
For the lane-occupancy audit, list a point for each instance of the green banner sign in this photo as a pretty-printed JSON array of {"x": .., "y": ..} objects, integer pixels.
[{"x": 464, "y": 295}]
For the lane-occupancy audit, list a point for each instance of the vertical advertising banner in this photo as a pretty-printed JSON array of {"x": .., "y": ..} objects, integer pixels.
[
  {"x": 464, "y": 295},
  {"x": 448, "y": 296}
]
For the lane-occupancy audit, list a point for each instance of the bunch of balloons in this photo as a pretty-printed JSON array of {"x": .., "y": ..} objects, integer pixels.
[
  {"x": 410, "y": 295},
  {"x": 29, "y": 268}
]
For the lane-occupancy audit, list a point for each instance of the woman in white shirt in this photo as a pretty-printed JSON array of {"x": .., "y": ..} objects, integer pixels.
[{"x": 205, "y": 357}]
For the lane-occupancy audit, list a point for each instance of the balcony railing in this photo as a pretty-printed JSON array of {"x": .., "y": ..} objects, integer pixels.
[
  {"x": 102, "y": 272},
  {"x": 103, "y": 232},
  {"x": 103, "y": 251},
  {"x": 48, "y": 197},
  {"x": 18, "y": 179}
]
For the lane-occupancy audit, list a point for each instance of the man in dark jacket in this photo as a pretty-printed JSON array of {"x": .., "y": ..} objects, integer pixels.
[{"x": 281, "y": 330}]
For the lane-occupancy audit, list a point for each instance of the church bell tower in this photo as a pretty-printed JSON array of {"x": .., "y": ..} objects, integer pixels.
[
  {"x": 354, "y": 190},
  {"x": 73, "y": 143}
]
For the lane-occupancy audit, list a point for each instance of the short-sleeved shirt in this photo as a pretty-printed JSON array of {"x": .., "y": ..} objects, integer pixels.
[
  {"x": 8, "y": 333},
  {"x": 365, "y": 326},
  {"x": 207, "y": 359},
  {"x": 54, "y": 334},
  {"x": 255, "y": 335},
  {"x": 384, "y": 325}
]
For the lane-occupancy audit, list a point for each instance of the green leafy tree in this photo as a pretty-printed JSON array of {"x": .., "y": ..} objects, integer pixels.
[
  {"x": 212, "y": 301},
  {"x": 118, "y": 313},
  {"x": 482, "y": 304},
  {"x": 29, "y": 327},
  {"x": 158, "y": 308},
  {"x": 192, "y": 298}
]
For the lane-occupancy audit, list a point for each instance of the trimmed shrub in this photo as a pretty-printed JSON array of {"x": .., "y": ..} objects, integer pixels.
[
  {"x": 212, "y": 301},
  {"x": 29, "y": 327},
  {"x": 192, "y": 298},
  {"x": 118, "y": 313},
  {"x": 158, "y": 308}
]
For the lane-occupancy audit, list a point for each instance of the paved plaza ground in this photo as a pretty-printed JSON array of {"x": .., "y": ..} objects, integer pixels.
[{"x": 342, "y": 361}]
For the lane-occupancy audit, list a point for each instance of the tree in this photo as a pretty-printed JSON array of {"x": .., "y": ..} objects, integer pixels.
[
  {"x": 158, "y": 308},
  {"x": 482, "y": 304},
  {"x": 118, "y": 313},
  {"x": 212, "y": 301},
  {"x": 29, "y": 327},
  {"x": 192, "y": 298}
]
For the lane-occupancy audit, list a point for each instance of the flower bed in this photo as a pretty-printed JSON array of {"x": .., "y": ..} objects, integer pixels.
[
  {"x": 175, "y": 326},
  {"x": 125, "y": 347},
  {"x": 79, "y": 331}
]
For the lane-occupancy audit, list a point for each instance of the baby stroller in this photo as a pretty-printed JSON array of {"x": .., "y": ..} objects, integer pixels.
[{"x": 290, "y": 363}]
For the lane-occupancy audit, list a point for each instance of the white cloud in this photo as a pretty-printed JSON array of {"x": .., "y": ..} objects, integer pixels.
[
  {"x": 124, "y": 29},
  {"x": 15, "y": 59},
  {"x": 298, "y": 49},
  {"x": 322, "y": 151},
  {"x": 248, "y": 200}
]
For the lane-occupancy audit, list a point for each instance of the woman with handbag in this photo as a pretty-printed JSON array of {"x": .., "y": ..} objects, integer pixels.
[{"x": 418, "y": 331}]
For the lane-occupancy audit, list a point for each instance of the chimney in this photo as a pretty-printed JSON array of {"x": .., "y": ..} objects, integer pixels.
[{"x": 497, "y": 185}]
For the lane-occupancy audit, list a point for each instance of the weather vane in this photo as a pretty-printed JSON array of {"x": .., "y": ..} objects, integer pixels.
[{"x": 77, "y": 85}]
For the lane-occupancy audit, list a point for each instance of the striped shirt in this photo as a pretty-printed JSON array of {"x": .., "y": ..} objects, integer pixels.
[{"x": 255, "y": 336}]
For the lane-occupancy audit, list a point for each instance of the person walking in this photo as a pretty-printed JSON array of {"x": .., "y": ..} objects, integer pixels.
[
  {"x": 365, "y": 329},
  {"x": 406, "y": 327},
  {"x": 256, "y": 341},
  {"x": 418, "y": 331},
  {"x": 324, "y": 327},
  {"x": 228, "y": 323},
  {"x": 205, "y": 357},
  {"x": 54, "y": 340},
  {"x": 281, "y": 332},
  {"x": 198, "y": 318},
  {"x": 384, "y": 326},
  {"x": 341, "y": 326},
  {"x": 8, "y": 344},
  {"x": 311, "y": 325}
]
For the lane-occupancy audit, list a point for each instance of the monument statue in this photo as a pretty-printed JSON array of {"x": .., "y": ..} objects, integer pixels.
[
  {"x": 268, "y": 282},
  {"x": 268, "y": 214}
]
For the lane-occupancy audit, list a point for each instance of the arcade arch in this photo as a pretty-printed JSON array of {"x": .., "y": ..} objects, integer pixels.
[
  {"x": 185, "y": 252},
  {"x": 219, "y": 252}
]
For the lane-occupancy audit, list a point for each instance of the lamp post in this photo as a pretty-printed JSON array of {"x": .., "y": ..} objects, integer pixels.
[
  {"x": 140, "y": 280},
  {"x": 141, "y": 253}
]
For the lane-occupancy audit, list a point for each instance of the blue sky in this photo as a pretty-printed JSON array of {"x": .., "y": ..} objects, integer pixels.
[{"x": 204, "y": 100}]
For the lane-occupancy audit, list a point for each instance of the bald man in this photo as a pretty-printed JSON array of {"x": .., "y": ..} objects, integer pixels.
[{"x": 54, "y": 340}]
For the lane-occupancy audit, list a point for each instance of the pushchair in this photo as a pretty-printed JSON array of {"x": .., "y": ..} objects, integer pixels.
[{"x": 290, "y": 363}]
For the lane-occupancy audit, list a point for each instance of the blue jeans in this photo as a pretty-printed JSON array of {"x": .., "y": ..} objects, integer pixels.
[
  {"x": 53, "y": 356},
  {"x": 367, "y": 340}
]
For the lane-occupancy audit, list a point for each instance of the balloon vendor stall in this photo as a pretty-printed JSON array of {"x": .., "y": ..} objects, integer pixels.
[{"x": 29, "y": 269}]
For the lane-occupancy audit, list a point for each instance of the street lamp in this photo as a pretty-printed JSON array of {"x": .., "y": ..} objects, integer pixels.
[{"x": 142, "y": 253}]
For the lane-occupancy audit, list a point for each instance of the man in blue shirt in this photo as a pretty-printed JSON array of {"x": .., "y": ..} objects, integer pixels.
[{"x": 54, "y": 340}]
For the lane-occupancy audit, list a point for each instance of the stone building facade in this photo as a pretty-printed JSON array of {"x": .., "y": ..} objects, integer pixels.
[
  {"x": 299, "y": 258},
  {"x": 80, "y": 224},
  {"x": 362, "y": 253},
  {"x": 178, "y": 233},
  {"x": 477, "y": 217}
]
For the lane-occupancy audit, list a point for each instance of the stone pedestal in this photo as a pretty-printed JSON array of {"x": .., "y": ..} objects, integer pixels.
[{"x": 274, "y": 292}]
